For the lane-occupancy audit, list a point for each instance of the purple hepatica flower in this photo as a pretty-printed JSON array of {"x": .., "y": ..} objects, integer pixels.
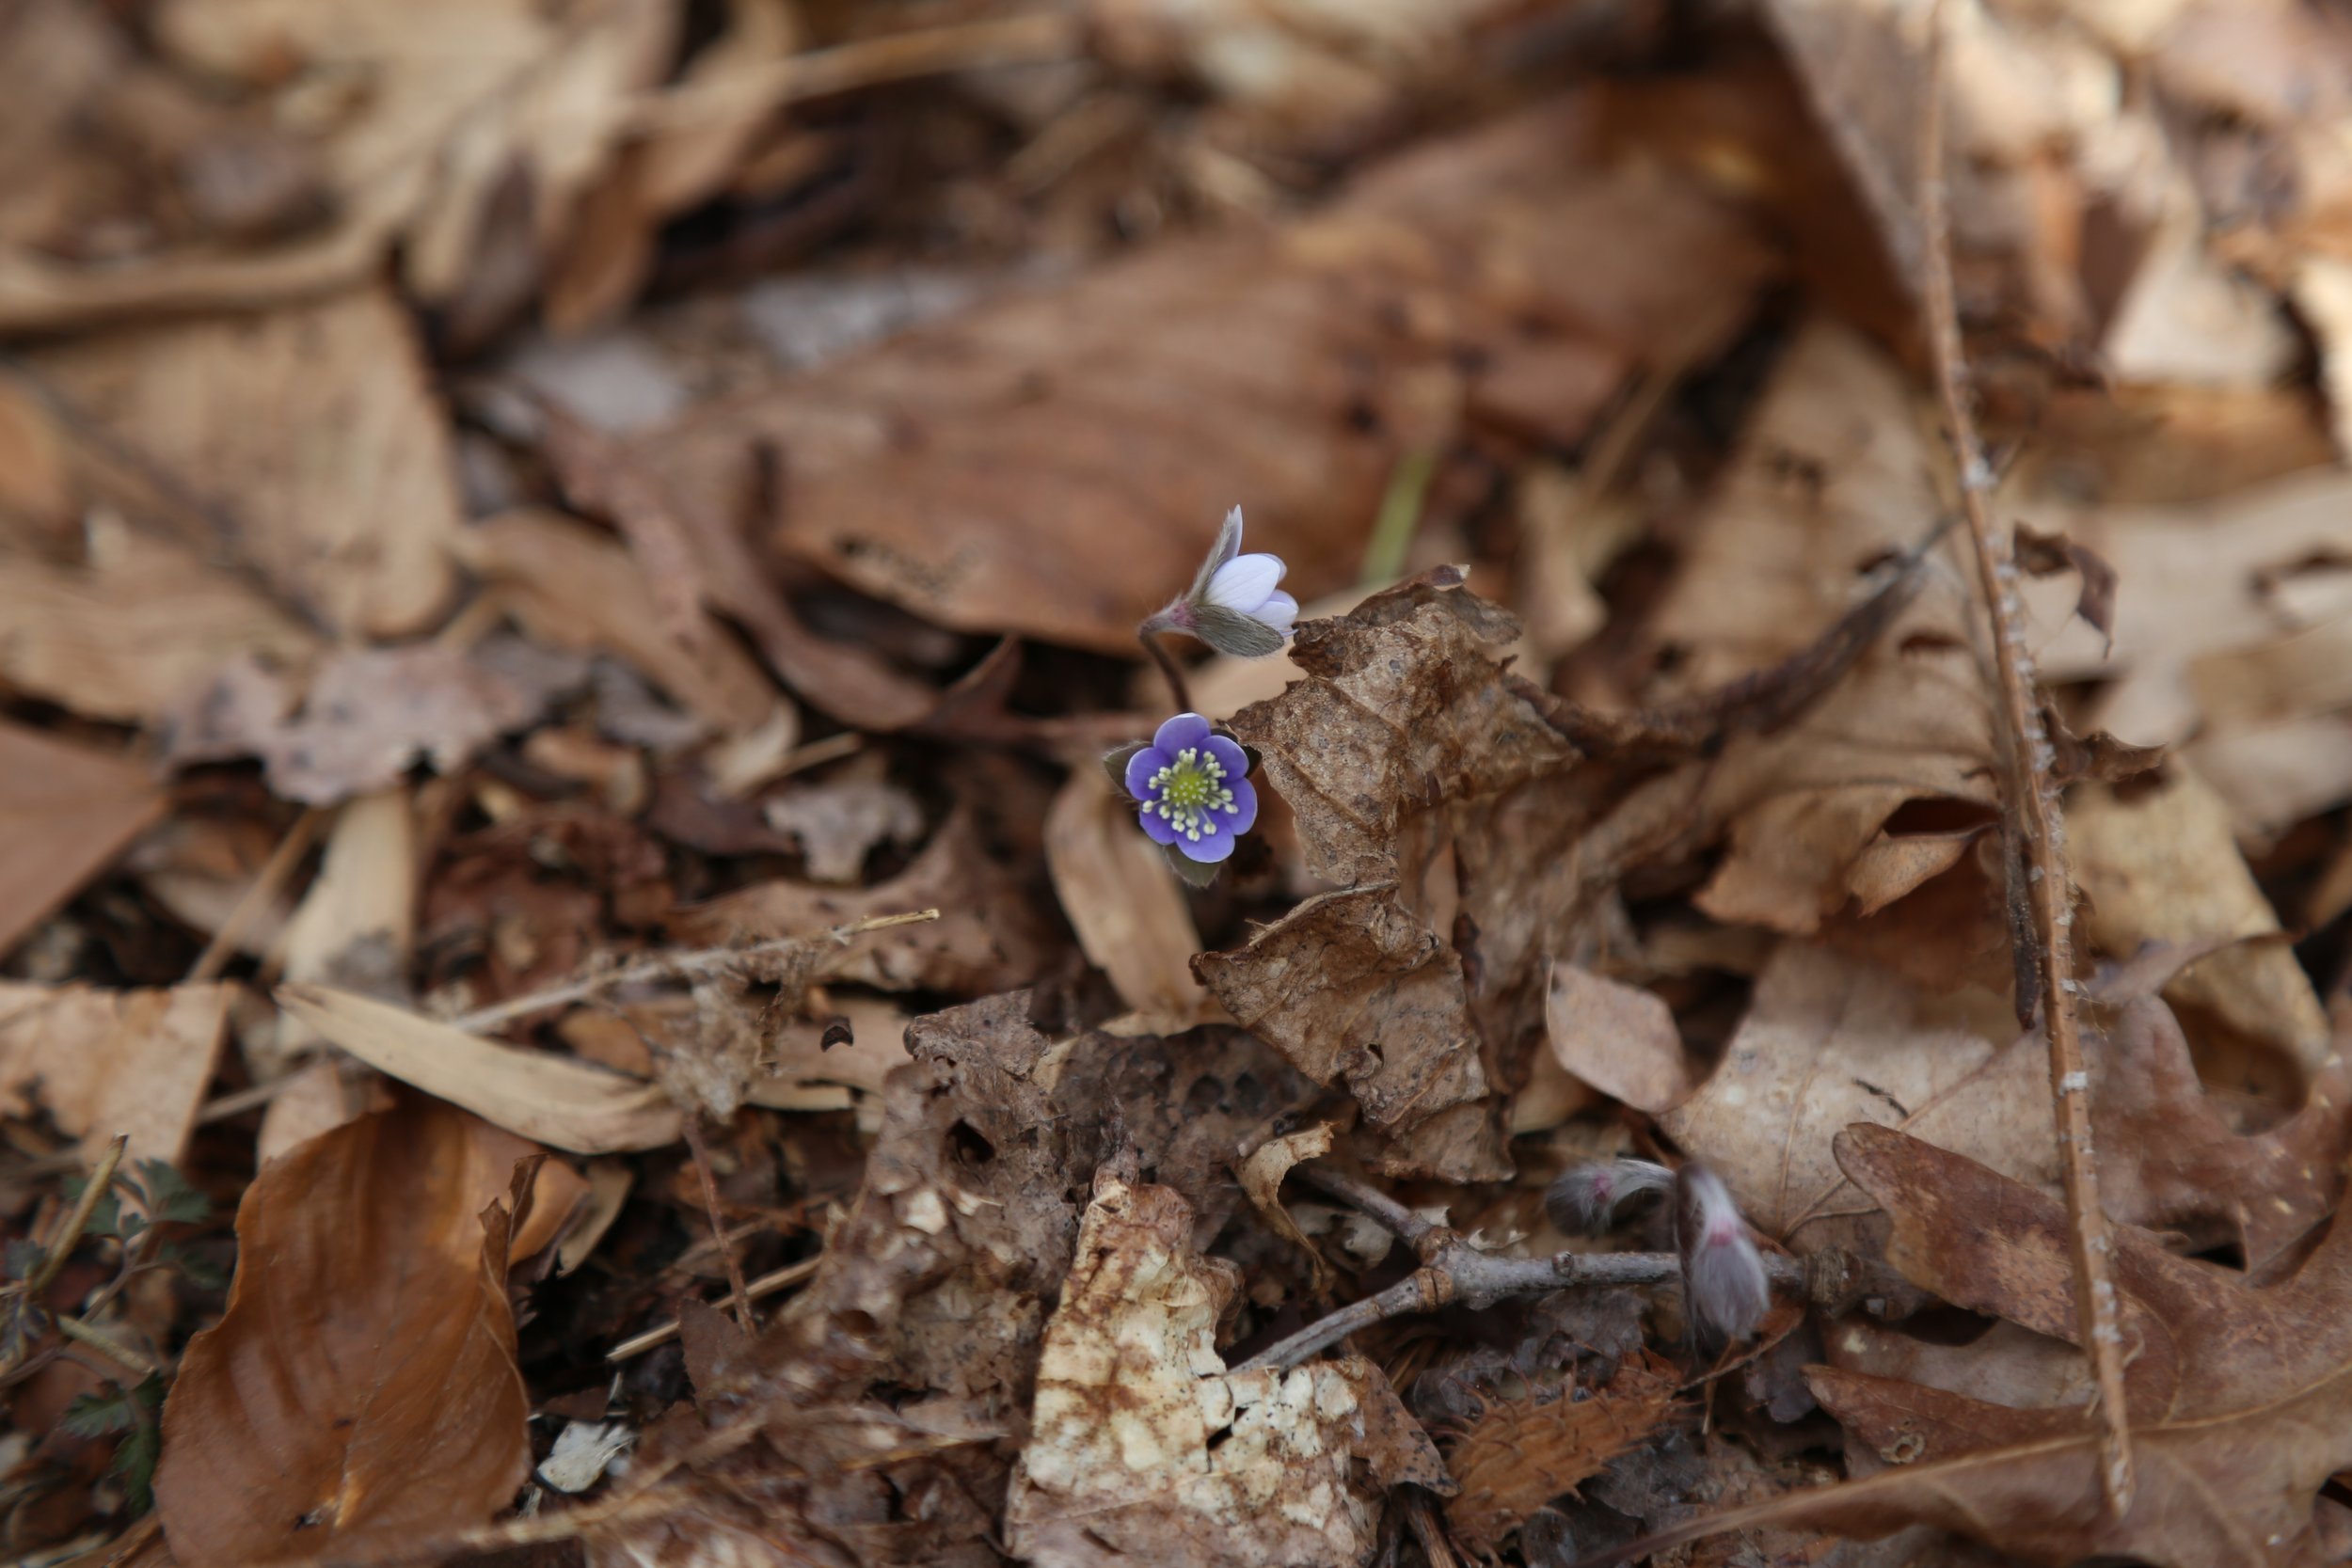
[{"x": 1192, "y": 789}]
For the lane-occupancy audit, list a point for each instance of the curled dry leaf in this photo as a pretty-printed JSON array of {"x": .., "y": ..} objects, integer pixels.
[
  {"x": 1051, "y": 465},
  {"x": 550, "y": 1099},
  {"x": 1142, "y": 1445},
  {"x": 1832, "y": 476},
  {"x": 1518, "y": 1453},
  {"x": 1619, "y": 1039},
  {"x": 360, "y": 1391},
  {"x": 101, "y": 1063},
  {"x": 65, "y": 811},
  {"x": 1261, "y": 1178}
]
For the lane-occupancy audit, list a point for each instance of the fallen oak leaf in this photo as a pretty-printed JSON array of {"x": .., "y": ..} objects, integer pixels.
[
  {"x": 1829, "y": 1041},
  {"x": 361, "y": 1391},
  {"x": 1262, "y": 1176},
  {"x": 107, "y": 1062},
  {"x": 2241, "y": 1398}
]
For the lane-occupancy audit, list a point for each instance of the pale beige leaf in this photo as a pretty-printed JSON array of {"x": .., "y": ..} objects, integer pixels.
[
  {"x": 354, "y": 521},
  {"x": 1131, "y": 917},
  {"x": 101, "y": 1063},
  {"x": 549, "y": 1099},
  {"x": 1619, "y": 1039},
  {"x": 355, "y": 925}
]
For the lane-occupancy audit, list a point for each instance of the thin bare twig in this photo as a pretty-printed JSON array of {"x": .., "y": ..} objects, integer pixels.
[
  {"x": 1454, "y": 1270},
  {"x": 2030, "y": 818},
  {"x": 1170, "y": 671},
  {"x": 69, "y": 1235},
  {"x": 106, "y": 1345},
  {"x": 265, "y": 885},
  {"x": 666, "y": 966},
  {"x": 758, "y": 1290}
]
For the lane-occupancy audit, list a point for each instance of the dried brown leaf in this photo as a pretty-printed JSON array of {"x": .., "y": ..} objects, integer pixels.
[
  {"x": 2048, "y": 554},
  {"x": 102, "y": 1063},
  {"x": 1617, "y": 1037},
  {"x": 573, "y": 588},
  {"x": 66, "y": 810},
  {"x": 2238, "y": 1395},
  {"x": 1053, "y": 464},
  {"x": 1830, "y": 1042},
  {"x": 354, "y": 526},
  {"x": 1520, "y": 1453},
  {"x": 367, "y": 714},
  {"x": 1142, "y": 1445},
  {"x": 361, "y": 1388},
  {"x": 1130, "y": 916}
]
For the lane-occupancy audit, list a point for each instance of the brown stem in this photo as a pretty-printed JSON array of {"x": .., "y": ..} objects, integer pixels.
[
  {"x": 69, "y": 1235},
  {"x": 1147, "y": 634},
  {"x": 738, "y": 1291},
  {"x": 2030, "y": 816}
]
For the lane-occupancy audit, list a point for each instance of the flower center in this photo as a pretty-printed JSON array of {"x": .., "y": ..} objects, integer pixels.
[{"x": 1188, "y": 789}]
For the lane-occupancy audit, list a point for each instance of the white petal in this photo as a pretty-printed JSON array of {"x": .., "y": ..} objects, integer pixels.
[
  {"x": 1278, "y": 611},
  {"x": 1242, "y": 584}
]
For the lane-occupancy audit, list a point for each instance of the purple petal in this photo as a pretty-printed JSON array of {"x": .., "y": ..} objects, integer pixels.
[
  {"x": 1213, "y": 845},
  {"x": 1242, "y": 584},
  {"x": 1244, "y": 809},
  {"x": 1230, "y": 756},
  {"x": 1279, "y": 611},
  {"x": 1158, "y": 829},
  {"x": 1141, "y": 766},
  {"x": 1185, "y": 729}
]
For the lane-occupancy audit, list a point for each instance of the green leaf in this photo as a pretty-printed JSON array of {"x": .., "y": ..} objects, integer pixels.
[
  {"x": 195, "y": 1268},
  {"x": 109, "y": 1410},
  {"x": 1192, "y": 871},
  {"x": 1115, "y": 763},
  {"x": 170, "y": 1199}
]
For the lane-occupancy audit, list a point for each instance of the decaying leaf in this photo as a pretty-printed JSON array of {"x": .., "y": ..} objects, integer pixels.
[
  {"x": 547, "y": 1097},
  {"x": 2239, "y": 1396},
  {"x": 362, "y": 1387},
  {"x": 367, "y": 716},
  {"x": 988, "y": 937},
  {"x": 65, "y": 811},
  {"x": 574, "y": 588},
  {"x": 1142, "y": 1445},
  {"x": 1833, "y": 476},
  {"x": 101, "y": 1063},
  {"x": 1518, "y": 1453}
]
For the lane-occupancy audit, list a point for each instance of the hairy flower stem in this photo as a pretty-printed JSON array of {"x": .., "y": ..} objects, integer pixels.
[
  {"x": 2031, "y": 819},
  {"x": 1148, "y": 635}
]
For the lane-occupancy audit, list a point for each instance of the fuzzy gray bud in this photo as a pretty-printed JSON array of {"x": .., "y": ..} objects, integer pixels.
[
  {"x": 1584, "y": 1199},
  {"x": 1725, "y": 1285}
]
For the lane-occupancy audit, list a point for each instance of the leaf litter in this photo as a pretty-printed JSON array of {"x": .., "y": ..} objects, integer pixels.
[{"x": 554, "y": 766}]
